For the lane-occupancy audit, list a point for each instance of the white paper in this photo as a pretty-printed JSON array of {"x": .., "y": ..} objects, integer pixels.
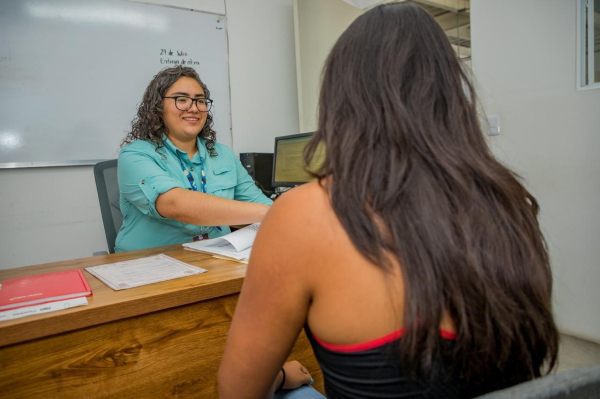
[
  {"x": 42, "y": 308},
  {"x": 143, "y": 271},
  {"x": 226, "y": 250},
  {"x": 244, "y": 261},
  {"x": 236, "y": 245}
]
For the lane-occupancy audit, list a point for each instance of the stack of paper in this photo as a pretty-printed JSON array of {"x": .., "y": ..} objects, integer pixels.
[{"x": 234, "y": 246}]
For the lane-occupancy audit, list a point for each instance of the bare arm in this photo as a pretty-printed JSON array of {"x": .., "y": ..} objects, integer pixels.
[
  {"x": 273, "y": 304},
  {"x": 201, "y": 209}
]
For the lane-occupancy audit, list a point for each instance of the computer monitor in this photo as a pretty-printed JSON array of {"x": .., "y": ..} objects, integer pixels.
[{"x": 288, "y": 161}]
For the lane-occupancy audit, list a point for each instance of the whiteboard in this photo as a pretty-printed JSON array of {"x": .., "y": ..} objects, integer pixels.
[{"x": 73, "y": 72}]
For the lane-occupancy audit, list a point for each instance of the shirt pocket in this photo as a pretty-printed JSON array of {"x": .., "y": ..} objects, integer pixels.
[{"x": 223, "y": 180}]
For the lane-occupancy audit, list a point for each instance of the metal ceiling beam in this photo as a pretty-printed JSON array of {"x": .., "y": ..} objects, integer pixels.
[
  {"x": 464, "y": 52},
  {"x": 363, "y": 4},
  {"x": 450, "y": 20},
  {"x": 455, "y": 6},
  {"x": 463, "y": 32}
]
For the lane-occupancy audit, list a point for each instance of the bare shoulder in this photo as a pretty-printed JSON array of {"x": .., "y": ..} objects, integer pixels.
[
  {"x": 297, "y": 224},
  {"x": 306, "y": 206},
  {"x": 307, "y": 195}
]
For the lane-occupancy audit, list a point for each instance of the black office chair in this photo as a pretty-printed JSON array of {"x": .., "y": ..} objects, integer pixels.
[
  {"x": 108, "y": 194},
  {"x": 583, "y": 383}
]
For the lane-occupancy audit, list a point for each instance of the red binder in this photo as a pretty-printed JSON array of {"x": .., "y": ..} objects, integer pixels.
[{"x": 43, "y": 288}]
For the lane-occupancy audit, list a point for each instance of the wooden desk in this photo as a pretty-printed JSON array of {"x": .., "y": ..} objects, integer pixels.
[{"x": 157, "y": 341}]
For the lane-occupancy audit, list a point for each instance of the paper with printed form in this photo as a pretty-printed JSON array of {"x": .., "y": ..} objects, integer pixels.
[
  {"x": 236, "y": 245},
  {"x": 143, "y": 271},
  {"x": 43, "y": 308}
]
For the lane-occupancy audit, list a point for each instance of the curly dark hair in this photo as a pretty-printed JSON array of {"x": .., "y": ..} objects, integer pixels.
[{"x": 148, "y": 124}]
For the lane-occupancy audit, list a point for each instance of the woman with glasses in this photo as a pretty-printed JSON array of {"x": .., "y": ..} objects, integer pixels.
[
  {"x": 415, "y": 263},
  {"x": 177, "y": 184}
]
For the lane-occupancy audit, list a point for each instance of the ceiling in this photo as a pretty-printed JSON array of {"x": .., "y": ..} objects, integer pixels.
[
  {"x": 455, "y": 19},
  {"x": 453, "y": 16}
]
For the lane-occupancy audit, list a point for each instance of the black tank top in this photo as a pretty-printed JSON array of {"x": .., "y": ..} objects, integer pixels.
[{"x": 372, "y": 370}]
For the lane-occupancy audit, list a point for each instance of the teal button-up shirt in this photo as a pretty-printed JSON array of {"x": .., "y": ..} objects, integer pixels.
[{"x": 145, "y": 173}]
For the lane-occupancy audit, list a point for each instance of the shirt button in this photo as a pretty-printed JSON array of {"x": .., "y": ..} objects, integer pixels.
[
  {"x": 143, "y": 181},
  {"x": 192, "y": 169}
]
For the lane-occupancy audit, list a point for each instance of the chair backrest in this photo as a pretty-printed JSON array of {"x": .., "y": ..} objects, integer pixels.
[
  {"x": 108, "y": 194},
  {"x": 581, "y": 383}
]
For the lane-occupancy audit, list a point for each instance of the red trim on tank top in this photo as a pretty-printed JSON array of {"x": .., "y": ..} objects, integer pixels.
[{"x": 364, "y": 346}]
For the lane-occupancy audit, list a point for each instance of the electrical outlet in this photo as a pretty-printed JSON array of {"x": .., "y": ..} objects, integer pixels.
[{"x": 493, "y": 125}]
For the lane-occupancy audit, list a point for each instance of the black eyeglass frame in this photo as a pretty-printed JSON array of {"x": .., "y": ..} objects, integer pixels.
[{"x": 209, "y": 103}]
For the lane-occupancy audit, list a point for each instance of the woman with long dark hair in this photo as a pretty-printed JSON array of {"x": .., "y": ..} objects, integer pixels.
[
  {"x": 415, "y": 263},
  {"x": 177, "y": 184}
]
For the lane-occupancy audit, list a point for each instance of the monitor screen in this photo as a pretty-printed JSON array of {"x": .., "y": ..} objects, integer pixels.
[{"x": 288, "y": 162}]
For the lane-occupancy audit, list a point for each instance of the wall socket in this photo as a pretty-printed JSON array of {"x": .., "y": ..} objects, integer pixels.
[{"x": 493, "y": 125}]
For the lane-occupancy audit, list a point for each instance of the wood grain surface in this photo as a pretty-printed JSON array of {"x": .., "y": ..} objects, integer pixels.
[
  {"x": 223, "y": 278},
  {"x": 163, "y": 340}
]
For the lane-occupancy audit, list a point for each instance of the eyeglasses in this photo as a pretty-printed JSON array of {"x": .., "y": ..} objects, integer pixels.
[{"x": 183, "y": 103}]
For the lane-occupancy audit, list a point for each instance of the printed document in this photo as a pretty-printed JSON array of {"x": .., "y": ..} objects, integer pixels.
[
  {"x": 234, "y": 246},
  {"x": 43, "y": 308},
  {"x": 143, "y": 271}
]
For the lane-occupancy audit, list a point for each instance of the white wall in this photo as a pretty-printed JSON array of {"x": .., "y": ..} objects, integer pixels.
[
  {"x": 48, "y": 214},
  {"x": 319, "y": 24},
  {"x": 262, "y": 68},
  {"x": 52, "y": 214},
  {"x": 524, "y": 58}
]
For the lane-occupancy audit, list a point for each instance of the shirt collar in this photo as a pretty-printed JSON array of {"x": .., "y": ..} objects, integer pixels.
[{"x": 200, "y": 155}]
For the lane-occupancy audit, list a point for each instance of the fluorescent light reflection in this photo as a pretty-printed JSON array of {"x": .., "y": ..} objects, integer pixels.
[
  {"x": 10, "y": 141},
  {"x": 94, "y": 14}
]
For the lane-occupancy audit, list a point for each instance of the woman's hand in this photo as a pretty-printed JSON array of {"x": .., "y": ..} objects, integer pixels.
[{"x": 296, "y": 375}]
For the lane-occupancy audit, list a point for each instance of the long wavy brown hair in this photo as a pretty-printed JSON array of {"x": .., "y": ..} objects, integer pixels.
[
  {"x": 148, "y": 124},
  {"x": 412, "y": 176}
]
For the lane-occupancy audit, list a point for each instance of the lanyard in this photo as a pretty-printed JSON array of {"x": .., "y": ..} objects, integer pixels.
[{"x": 188, "y": 174}]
